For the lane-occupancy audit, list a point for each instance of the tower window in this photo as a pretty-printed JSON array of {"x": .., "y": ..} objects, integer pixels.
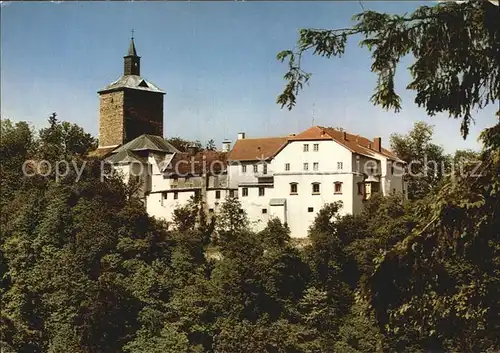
[{"x": 360, "y": 188}]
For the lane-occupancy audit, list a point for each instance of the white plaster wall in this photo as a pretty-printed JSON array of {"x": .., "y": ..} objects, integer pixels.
[
  {"x": 253, "y": 205},
  {"x": 236, "y": 174},
  {"x": 298, "y": 216},
  {"x": 327, "y": 156},
  {"x": 213, "y": 202},
  {"x": 329, "y": 153},
  {"x": 161, "y": 208}
]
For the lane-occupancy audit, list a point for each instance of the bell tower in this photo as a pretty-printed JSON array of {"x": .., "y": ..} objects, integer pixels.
[
  {"x": 132, "y": 62},
  {"x": 131, "y": 106}
]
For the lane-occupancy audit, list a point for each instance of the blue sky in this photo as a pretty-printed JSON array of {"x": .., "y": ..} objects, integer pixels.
[{"x": 216, "y": 61}]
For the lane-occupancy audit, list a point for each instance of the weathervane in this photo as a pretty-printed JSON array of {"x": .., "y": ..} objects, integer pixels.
[{"x": 132, "y": 34}]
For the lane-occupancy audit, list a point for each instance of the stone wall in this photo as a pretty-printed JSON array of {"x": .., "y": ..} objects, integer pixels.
[
  {"x": 111, "y": 130},
  {"x": 143, "y": 114}
]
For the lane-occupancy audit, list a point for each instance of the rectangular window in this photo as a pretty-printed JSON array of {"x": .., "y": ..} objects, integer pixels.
[
  {"x": 392, "y": 170},
  {"x": 211, "y": 210},
  {"x": 243, "y": 168},
  {"x": 264, "y": 170},
  {"x": 315, "y": 166},
  {"x": 255, "y": 168},
  {"x": 310, "y": 209},
  {"x": 287, "y": 166},
  {"x": 264, "y": 210},
  {"x": 306, "y": 147},
  {"x": 244, "y": 192},
  {"x": 262, "y": 191},
  {"x": 306, "y": 166},
  {"x": 164, "y": 195},
  {"x": 340, "y": 165},
  {"x": 360, "y": 188},
  {"x": 315, "y": 188},
  {"x": 176, "y": 195},
  {"x": 338, "y": 188},
  {"x": 233, "y": 193},
  {"x": 316, "y": 147},
  {"x": 293, "y": 189},
  {"x": 217, "y": 194}
]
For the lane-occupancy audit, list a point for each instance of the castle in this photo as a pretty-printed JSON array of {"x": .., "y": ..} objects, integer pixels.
[{"x": 289, "y": 177}]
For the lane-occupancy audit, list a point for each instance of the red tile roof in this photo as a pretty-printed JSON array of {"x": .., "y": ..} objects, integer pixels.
[
  {"x": 257, "y": 148},
  {"x": 354, "y": 143}
]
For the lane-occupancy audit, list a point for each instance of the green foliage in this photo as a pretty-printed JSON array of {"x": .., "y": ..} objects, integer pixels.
[
  {"x": 63, "y": 140},
  {"x": 231, "y": 220},
  {"x": 455, "y": 47},
  {"x": 84, "y": 269},
  {"x": 426, "y": 162},
  {"x": 210, "y": 145},
  {"x": 182, "y": 144},
  {"x": 438, "y": 286}
]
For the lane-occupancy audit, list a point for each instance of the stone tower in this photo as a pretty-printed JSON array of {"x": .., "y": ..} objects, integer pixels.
[{"x": 130, "y": 106}]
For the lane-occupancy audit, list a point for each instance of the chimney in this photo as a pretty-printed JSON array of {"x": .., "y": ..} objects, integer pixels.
[
  {"x": 226, "y": 146},
  {"x": 192, "y": 149},
  {"x": 241, "y": 135},
  {"x": 345, "y": 135},
  {"x": 377, "y": 144}
]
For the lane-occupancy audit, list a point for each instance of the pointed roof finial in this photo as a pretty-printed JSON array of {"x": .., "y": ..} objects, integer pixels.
[{"x": 131, "y": 48}]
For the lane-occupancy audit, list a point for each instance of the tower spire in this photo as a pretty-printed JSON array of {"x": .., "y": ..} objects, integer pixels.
[
  {"x": 131, "y": 48},
  {"x": 132, "y": 62}
]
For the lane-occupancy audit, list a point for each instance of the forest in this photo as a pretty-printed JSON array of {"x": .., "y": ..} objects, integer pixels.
[{"x": 84, "y": 269}]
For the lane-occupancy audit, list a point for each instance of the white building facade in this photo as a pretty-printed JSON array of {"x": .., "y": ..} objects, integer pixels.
[{"x": 290, "y": 178}]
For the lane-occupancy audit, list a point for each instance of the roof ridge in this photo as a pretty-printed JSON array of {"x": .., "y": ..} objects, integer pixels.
[{"x": 263, "y": 138}]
